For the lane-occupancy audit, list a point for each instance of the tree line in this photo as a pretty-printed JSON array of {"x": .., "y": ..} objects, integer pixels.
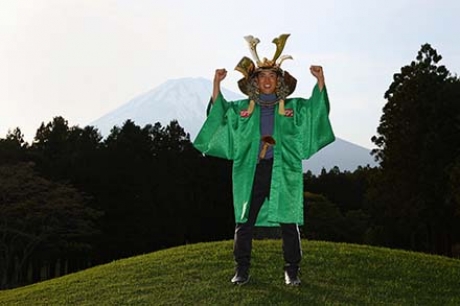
[{"x": 72, "y": 199}]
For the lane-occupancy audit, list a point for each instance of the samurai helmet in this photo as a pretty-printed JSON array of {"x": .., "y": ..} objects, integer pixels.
[{"x": 249, "y": 69}]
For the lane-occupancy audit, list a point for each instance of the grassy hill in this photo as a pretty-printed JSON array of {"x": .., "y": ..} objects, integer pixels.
[{"x": 199, "y": 274}]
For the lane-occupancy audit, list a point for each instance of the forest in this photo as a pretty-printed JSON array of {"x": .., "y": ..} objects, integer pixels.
[{"x": 72, "y": 199}]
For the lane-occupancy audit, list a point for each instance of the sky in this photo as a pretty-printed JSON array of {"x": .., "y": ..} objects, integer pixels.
[{"x": 81, "y": 59}]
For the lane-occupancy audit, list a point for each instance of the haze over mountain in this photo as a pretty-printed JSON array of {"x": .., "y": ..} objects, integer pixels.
[{"x": 186, "y": 99}]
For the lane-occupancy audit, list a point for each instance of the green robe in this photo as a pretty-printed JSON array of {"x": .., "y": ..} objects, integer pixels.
[{"x": 304, "y": 129}]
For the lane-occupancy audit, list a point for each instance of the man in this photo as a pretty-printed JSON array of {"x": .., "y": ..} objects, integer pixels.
[{"x": 267, "y": 136}]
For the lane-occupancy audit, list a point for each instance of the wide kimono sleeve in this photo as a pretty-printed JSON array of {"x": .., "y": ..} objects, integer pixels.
[
  {"x": 216, "y": 135},
  {"x": 317, "y": 129}
]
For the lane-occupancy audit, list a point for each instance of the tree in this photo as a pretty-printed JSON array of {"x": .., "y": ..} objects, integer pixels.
[
  {"x": 145, "y": 186},
  {"x": 40, "y": 221},
  {"x": 59, "y": 150},
  {"x": 323, "y": 220},
  {"x": 346, "y": 189},
  {"x": 13, "y": 148},
  {"x": 417, "y": 143}
]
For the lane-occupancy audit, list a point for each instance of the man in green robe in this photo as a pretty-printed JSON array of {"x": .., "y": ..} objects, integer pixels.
[{"x": 267, "y": 136}]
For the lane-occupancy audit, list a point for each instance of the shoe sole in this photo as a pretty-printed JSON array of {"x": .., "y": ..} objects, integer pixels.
[
  {"x": 241, "y": 283},
  {"x": 293, "y": 284}
]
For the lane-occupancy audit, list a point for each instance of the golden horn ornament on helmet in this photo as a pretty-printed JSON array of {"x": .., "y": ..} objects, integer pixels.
[
  {"x": 282, "y": 59},
  {"x": 253, "y": 41},
  {"x": 280, "y": 42},
  {"x": 246, "y": 67}
]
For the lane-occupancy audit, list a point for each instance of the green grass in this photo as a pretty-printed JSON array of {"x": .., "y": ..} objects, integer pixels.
[{"x": 199, "y": 274}]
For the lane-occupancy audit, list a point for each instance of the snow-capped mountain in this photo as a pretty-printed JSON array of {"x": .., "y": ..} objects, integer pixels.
[{"x": 186, "y": 99}]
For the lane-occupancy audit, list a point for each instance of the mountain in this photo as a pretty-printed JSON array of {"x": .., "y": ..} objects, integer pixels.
[
  {"x": 182, "y": 99},
  {"x": 340, "y": 153},
  {"x": 186, "y": 100}
]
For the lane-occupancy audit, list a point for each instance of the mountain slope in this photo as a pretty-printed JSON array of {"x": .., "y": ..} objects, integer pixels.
[
  {"x": 341, "y": 153},
  {"x": 199, "y": 274},
  {"x": 185, "y": 100}
]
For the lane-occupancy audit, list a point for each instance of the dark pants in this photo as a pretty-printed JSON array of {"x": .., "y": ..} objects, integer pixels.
[{"x": 244, "y": 231}]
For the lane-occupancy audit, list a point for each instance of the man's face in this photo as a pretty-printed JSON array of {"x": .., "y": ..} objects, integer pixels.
[{"x": 266, "y": 81}]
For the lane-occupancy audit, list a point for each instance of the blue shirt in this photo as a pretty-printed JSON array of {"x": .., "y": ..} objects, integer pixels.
[{"x": 267, "y": 121}]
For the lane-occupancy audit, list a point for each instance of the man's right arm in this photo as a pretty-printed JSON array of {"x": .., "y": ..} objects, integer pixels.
[
  {"x": 214, "y": 137},
  {"x": 219, "y": 76}
]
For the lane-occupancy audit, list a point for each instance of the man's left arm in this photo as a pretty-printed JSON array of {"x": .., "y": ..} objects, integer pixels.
[
  {"x": 317, "y": 72},
  {"x": 316, "y": 127}
]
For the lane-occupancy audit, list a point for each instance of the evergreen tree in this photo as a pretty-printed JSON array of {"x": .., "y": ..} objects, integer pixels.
[
  {"x": 40, "y": 222},
  {"x": 323, "y": 220},
  {"x": 13, "y": 148},
  {"x": 417, "y": 144}
]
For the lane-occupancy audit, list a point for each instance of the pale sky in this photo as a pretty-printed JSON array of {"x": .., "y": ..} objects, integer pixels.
[{"x": 82, "y": 59}]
